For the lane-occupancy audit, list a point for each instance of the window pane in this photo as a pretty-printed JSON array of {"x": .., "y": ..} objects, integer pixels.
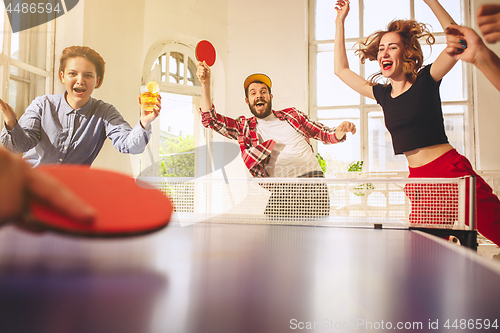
[
  {"x": 339, "y": 156},
  {"x": 452, "y": 86},
  {"x": 172, "y": 65},
  {"x": 325, "y": 20},
  {"x": 431, "y": 52},
  {"x": 177, "y": 153},
  {"x": 331, "y": 91},
  {"x": 192, "y": 78},
  {"x": 157, "y": 62},
  {"x": 30, "y": 46},
  {"x": 381, "y": 153},
  {"x": 377, "y": 14},
  {"x": 163, "y": 60},
  {"x": 18, "y": 96},
  {"x": 371, "y": 67},
  {"x": 23, "y": 88},
  {"x": 425, "y": 15},
  {"x": 177, "y": 117},
  {"x": 181, "y": 67},
  {"x": 454, "y": 126}
]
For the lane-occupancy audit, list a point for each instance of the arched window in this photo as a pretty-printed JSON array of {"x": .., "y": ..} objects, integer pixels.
[
  {"x": 176, "y": 64},
  {"x": 178, "y": 130}
]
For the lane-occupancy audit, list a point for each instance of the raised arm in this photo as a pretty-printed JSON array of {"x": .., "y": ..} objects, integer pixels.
[
  {"x": 476, "y": 52},
  {"x": 341, "y": 64},
  {"x": 223, "y": 125},
  {"x": 488, "y": 20},
  {"x": 203, "y": 72},
  {"x": 19, "y": 137},
  {"x": 9, "y": 115},
  {"x": 444, "y": 62}
]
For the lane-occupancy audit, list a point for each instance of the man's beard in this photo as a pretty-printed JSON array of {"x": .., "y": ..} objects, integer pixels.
[{"x": 264, "y": 114}]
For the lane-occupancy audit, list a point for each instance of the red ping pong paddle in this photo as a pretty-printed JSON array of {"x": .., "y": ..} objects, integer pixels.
[
  {"x": 205, "y": 51},
  {"x": 123, "y": 208}
]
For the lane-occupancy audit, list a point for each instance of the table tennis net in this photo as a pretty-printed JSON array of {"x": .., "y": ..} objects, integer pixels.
[{"x": 389, "y": 202}]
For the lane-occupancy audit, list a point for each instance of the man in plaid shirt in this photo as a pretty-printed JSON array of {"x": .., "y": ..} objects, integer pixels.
[{"x": 273, "y": 143}]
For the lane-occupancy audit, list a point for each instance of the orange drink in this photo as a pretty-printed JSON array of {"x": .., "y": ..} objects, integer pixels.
[{"x": 149, "y": 93}]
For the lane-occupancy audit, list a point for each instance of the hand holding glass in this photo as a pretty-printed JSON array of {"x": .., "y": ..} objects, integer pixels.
[{"x": 149, "y": 93}]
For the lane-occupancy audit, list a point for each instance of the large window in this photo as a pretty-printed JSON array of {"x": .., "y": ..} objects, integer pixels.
[
  {"x": 26, "y": 63},
  {"x": 333, "y": 102}
]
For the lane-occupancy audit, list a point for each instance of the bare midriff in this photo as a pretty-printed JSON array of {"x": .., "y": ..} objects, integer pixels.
[{"x": 422, "y": 156}]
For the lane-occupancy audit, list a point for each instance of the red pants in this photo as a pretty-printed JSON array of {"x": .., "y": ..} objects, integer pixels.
[{"x": 452, "y": 165}]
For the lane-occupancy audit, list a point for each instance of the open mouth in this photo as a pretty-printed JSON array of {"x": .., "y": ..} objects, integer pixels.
[
  {"x": 79, "y": 90},
  {"x": 260, "y": 104},
  {"x": 386, "y": 65}
]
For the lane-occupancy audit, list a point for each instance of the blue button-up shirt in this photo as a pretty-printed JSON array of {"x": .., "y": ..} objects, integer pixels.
[{"x": 60, "y": 134}]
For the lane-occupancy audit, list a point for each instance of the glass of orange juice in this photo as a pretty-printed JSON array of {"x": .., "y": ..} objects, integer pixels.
[{"x": 149, "y": 93}]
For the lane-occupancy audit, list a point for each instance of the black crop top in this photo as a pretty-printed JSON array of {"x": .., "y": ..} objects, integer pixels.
[{"x": 414, "y": 118}]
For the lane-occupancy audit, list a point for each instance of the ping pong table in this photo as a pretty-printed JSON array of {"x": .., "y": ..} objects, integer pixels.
[{"x": 222, "y": 277}]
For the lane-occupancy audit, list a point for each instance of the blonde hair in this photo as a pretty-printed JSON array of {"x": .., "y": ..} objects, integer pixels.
[{"x": 410, "y": 31}]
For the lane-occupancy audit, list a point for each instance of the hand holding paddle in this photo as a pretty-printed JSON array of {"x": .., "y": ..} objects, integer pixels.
[
  {"x": 205, "y": 52},
  {"x": 204, "y": 73},
  {"x": 123, "y": 208},
  {"x": 18, "y": 182},
  {"x": 77, "y": 200}
]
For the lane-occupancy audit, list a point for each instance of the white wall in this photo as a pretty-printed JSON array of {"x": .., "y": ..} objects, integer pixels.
[
  {"x": 487, "y": 112},
  {"x": 267, "y": 37}
]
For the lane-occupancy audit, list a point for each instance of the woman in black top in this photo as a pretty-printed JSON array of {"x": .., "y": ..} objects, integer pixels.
[{"x": 412, "y": 110}]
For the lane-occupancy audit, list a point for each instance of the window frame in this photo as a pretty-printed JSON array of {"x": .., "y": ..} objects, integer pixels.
[{"x": 6, "y": 61}]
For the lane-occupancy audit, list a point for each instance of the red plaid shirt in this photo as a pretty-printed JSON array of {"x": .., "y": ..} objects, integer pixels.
[{"x": 255, "y": 154}]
